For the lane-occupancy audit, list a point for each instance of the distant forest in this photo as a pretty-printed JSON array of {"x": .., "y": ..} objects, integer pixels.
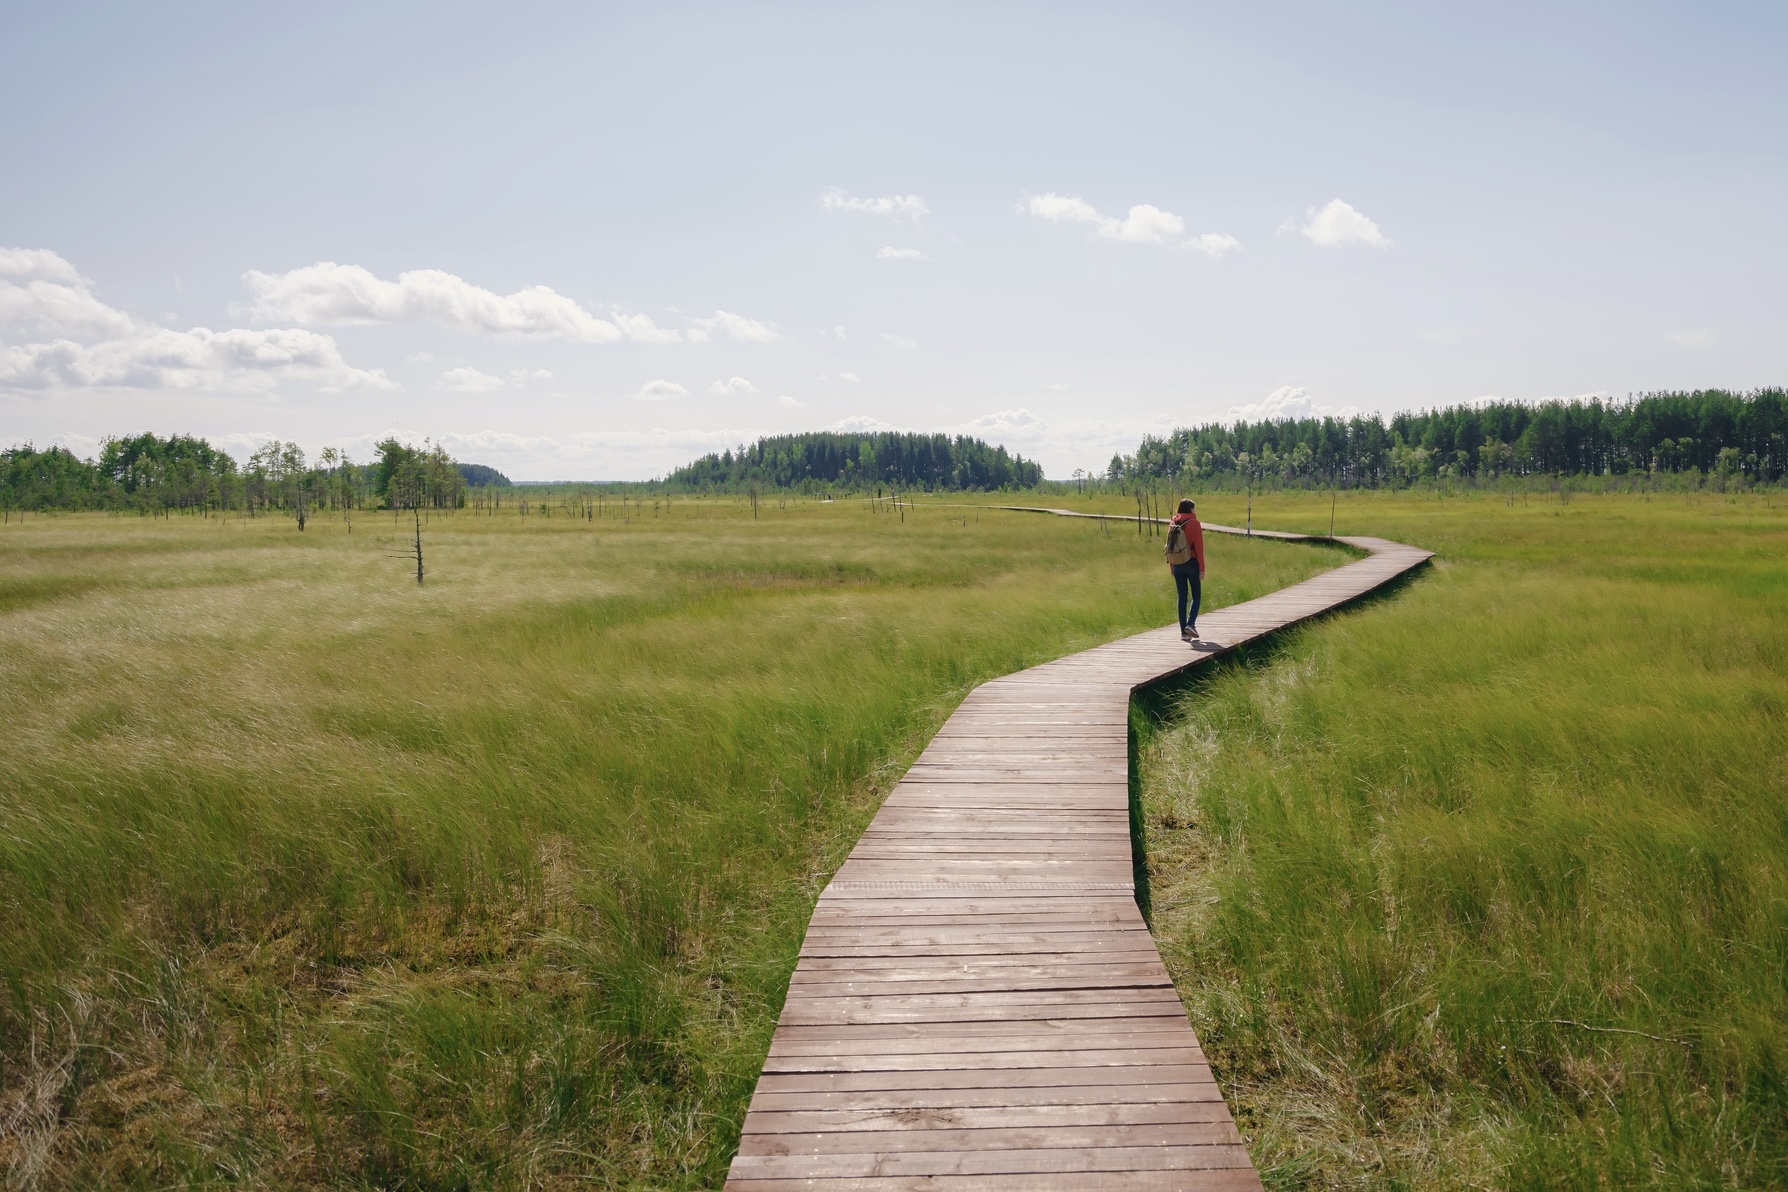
[
  {"x": 809, "y": 462},
  {"x": 149, "y": 474},
  {"x": 1712, "y": 432}
]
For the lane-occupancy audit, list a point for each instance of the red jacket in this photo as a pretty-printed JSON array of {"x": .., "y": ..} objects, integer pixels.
[{"x": 1194, "y": 535}]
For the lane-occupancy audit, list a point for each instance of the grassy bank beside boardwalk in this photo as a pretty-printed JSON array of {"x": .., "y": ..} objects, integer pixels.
[
  {"x": 1485, "y": 885},
  {"x": 312, "y": 877}
]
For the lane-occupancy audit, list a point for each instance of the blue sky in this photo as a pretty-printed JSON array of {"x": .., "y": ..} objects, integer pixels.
[{"x": 580, "y": 241}]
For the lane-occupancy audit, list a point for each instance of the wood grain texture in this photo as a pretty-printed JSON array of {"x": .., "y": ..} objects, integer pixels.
[{"x": 978, "y": 1002}]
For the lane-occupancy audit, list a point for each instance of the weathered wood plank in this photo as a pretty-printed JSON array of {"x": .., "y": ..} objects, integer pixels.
[{"x": 978, "y": 1003}]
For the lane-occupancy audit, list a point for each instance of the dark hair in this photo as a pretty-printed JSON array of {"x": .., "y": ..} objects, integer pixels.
[{"x": 1185, "y": 507}]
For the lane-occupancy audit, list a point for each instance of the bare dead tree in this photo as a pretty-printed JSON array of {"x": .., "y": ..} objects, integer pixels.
[{"x": 415, "y": 549}]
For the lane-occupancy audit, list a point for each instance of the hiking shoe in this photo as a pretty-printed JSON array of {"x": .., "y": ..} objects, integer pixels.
[
  {"x": 1186, "y": 635},
  {"x": 1191, "y": 635}
]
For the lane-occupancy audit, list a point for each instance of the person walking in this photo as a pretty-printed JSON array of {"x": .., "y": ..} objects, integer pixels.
[{"x": 1185, "y": 559}]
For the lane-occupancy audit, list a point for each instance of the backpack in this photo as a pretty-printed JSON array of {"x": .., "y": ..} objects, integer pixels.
[{"x": 1179, "y": 548}]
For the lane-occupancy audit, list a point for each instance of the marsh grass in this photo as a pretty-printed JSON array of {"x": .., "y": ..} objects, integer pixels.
[
  {"x": 1483, "y": 886},
  {"x": 310, "y": 876}
]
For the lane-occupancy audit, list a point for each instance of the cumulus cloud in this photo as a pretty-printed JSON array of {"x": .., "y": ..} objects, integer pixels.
[
  {"x": 838, "y": 333},
  {"x": 330, "y": 294},
  {"x": 88, "y": 344},
  {"x": 899, "y": 341},
  {"x": 334, "y": 295},
  {"x": 1339, "y": 224},
  {"x": 861, "y": 424},
  {"x": 1144, "y": 224},
  {"x": 38, "y": 264},
  {"x": 735, "y": 327},
  {"x": 732, "y": 387},
  {"x": 891, "y": 253},
  {"x": 789, "y": 403},
  {"x": 835, "y": 200},
  {"x": 852, "y": 377},
  {"x": 1212, "y": 244},
  {"x": 1288, "y": 401},
  {"x": 156, "y": 358},
  {"x": 640, "y": 329},
  {"x": 41, "y": 291},
  {"x": 1020, "y": 421},
  {"x": 469, "y": 380},
  {"x": 660, "y": 390}
]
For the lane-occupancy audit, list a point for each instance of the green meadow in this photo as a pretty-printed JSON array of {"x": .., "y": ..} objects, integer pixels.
[
  {"x": 313, "y": 877},
  {"x": 1484, "y": 884}
]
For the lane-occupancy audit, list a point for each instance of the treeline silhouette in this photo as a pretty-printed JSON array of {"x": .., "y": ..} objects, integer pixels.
[
  {"x": 1712, "y": 432},
  {"x": 150, "y": 474},
  {"x": 808, "y": 462}
]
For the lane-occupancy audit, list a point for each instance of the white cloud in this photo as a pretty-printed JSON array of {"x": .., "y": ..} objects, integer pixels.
[
  {"x": 1003, "y": 422},
  {"x": 839, "y": 333},
  {"x": 787, "y": 402},
  {"x": 81, "y": 445},
  {"x": 1145, "y": 224},
  {"x": 156, "y": 358},
  {"x": 891, "y": 253},
  {"x": 92, "y": 345},
  {"x": 329, "y": 294},
  {"x": 642, "y": 330},
  {"x": 736, "y": 327},
  {"x": 469, "y": 380},
  {"x": 1213, "y": 244},
  {"x": 852, "y": 377},
  {"x": 899, "y": 341},
  {"x": 1288, "y": 401},
  {"x": 1690, "y": 339},
  {"x": 38, "y": 264},
  {"x": 527, "y": 376},
  {"x": 896, "y": 206},
  {"x": 660, "y": 390},
  {"x": 1338, "y": 224},
  {"x": 861, "y": 424},
  {"x": 41, "y": 291},
  {"x": 242, "y": 444},
  {"x": 732, "y": 387}
]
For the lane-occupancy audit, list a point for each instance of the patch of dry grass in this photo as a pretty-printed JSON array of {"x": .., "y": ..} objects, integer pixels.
[
  {"x": 310, "y": 877},
  {"x": 1482, "y": 886}
]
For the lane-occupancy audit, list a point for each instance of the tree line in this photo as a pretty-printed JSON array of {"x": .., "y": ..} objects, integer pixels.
[
  {"x": 183, "y": 474},
  {"x": 1710, "y": 432},
  {"x": 809, "y": 462}
]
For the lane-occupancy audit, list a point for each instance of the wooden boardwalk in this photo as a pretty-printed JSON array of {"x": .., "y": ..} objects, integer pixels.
[{"x": 978, "y": 1003}]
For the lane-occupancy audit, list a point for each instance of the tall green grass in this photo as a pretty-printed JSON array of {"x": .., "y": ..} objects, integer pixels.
[
  {"x": 1485, "y": 885},
  {"x": 312, "y": 877}
]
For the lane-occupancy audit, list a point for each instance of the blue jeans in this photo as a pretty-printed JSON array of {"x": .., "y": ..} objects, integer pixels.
[{"x": 1185, "y": 580}]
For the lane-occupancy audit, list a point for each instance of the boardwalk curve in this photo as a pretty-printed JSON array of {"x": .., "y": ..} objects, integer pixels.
[{"x": 978, "y": 1002}]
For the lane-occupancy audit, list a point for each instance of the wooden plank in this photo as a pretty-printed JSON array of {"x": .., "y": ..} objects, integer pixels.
[
  {"x": 978, "y": 1003},
  {"x": 917, "y": 1138},
  {"x": 867, "y": 1093},
  {"x": 1223, "y": 1180},
  {"x": 1106, "y": 1157}
]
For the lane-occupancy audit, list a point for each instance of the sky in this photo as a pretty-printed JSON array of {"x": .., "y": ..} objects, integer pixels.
[{"x": 583, "y": 241}]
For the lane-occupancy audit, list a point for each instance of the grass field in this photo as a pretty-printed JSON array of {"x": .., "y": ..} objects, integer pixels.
[
  {"x": 1485, "y": 884},
  {"x": 312, "y": 877}
]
